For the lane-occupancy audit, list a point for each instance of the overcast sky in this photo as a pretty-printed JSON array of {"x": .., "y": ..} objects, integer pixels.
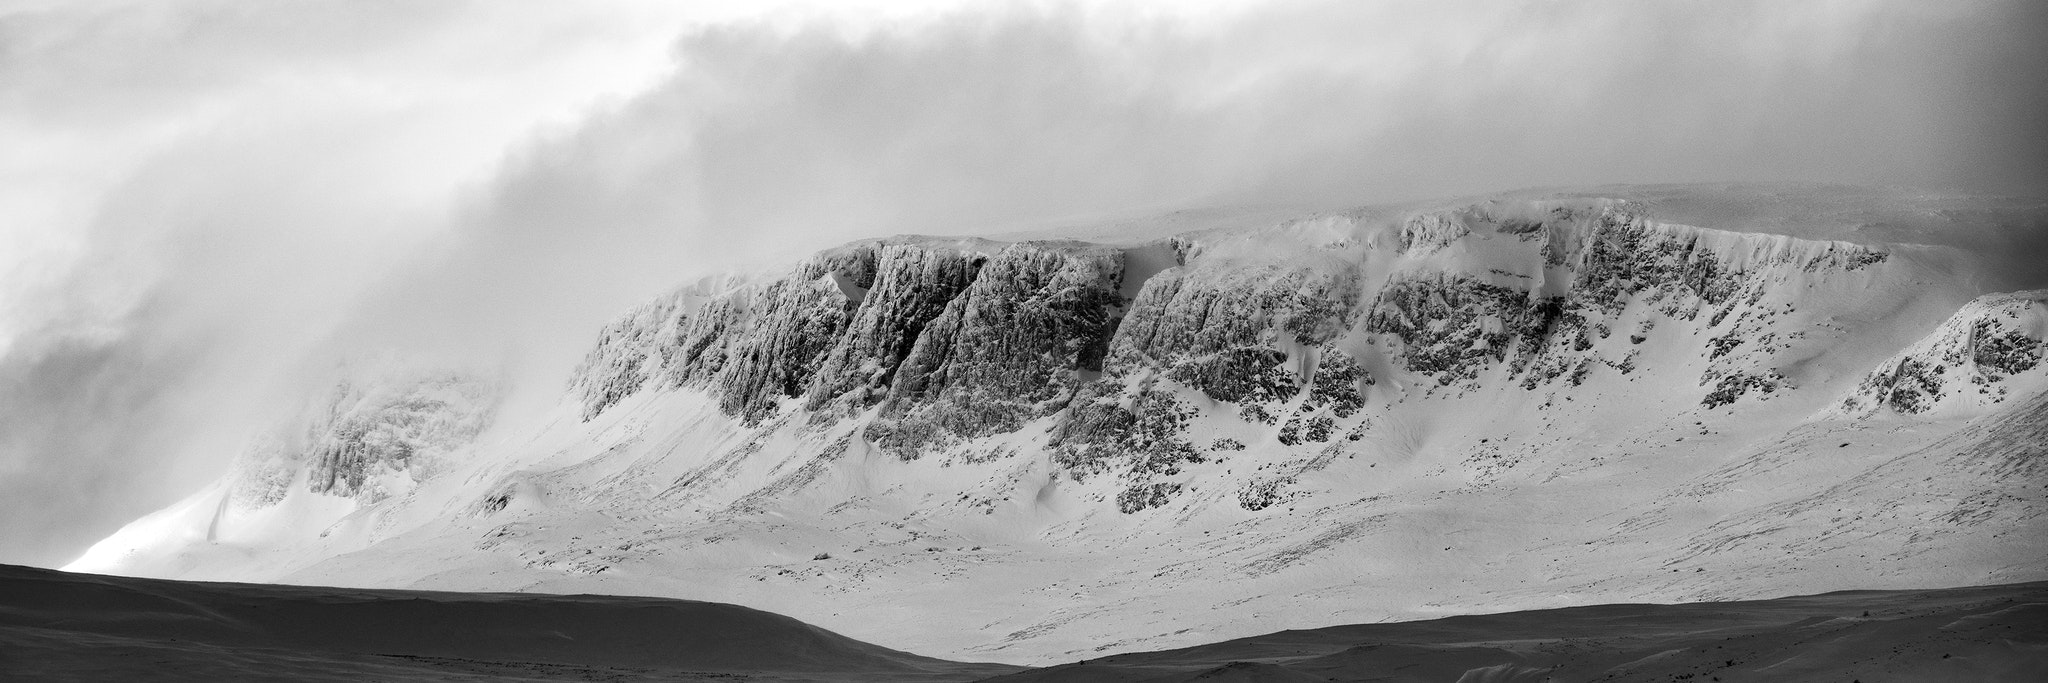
[{"x": 199, "y": 200}]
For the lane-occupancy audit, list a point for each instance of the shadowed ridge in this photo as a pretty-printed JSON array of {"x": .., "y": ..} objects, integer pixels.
[
  {"x": 429, "y": 628},
  {"x": 62, "y": 626},
  {"x": 1983, "y": 633}
]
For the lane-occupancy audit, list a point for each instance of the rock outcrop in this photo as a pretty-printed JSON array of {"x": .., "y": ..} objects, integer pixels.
[
  {"x": 1010, "y": 348},
  {"x": 1972, "y": 361}
]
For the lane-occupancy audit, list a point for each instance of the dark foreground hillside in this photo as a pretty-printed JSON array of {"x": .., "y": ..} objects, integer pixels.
[
  {"x": 64, "y": 626},
  {"x": 1988, "y": 633}
]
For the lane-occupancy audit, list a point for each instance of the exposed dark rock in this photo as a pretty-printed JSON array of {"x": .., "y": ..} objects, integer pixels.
[
  {"x": 1337, "y": 383},
  {"x": 1009, "y": 349},
  {"x": 2000, "y": 353},
  {"x": 1625, "y": 255},
  {"x": 1452, "y": 327},
  {"x": 1260, "y": 494},
  {"x": 626, "y": 355},
  {"x": 1722, "y": 345},
  {"x": 1734, "y": 385},
  {"x": 1180, "y": 318},
  {"x": 1142, "y": 496},
  {"x": 1244, "y": 374},
  {"x": 912, "y": 285},
  {"x": 1139, "y": 435},
  {"x": 799, "y": 321}
]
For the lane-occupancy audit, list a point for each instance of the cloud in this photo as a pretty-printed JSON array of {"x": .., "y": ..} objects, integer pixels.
[
  {"x": 197, "y": 192},
  {"x": 233, "y": 189},
  {"x": 767, "y": 133}
]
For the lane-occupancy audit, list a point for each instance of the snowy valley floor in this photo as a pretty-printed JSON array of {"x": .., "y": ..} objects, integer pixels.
[{"x": 64, "y": 626}]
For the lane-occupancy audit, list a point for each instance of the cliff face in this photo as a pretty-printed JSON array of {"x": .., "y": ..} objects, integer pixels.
[
  {"x": 912, "y": 285},
  {"x": 1258, "y": 338},
  {"x": 1009, "y": 349},
  {"x": 1605, "y": 270},
  {"x": 931, "y": 344},
  {"x": 950, "y": 340}
]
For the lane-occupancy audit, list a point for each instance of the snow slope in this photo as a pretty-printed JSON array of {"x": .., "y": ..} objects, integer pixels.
[{"x": 1046, "y": 449}]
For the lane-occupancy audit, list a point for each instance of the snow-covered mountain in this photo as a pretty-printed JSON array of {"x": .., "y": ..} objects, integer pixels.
[{"x": 1207, "y": 426}]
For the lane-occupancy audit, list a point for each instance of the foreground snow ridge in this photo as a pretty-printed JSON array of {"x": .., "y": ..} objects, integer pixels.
[{"x": 1040, "y": 449}]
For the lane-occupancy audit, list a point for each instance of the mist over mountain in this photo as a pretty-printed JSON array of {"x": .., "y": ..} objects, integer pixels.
[
  {"x": 1228, "y": 424},
  {"x": 1032, "y": 333},
  {"x": 210, "y": 203}
]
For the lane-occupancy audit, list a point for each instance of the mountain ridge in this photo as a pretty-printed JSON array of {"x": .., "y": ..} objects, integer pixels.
[{"x": 1475, "y": 404}]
